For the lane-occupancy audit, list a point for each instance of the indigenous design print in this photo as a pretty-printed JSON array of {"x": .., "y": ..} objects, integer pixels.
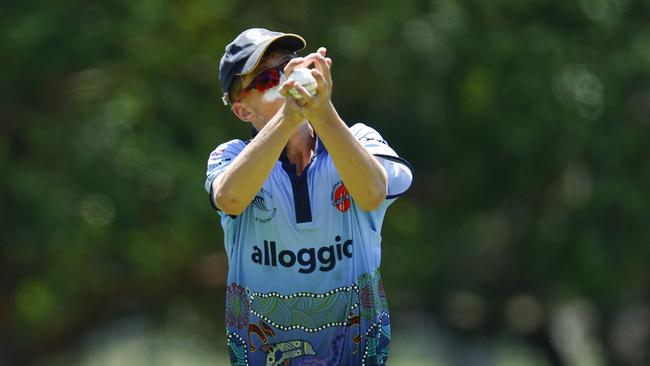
[
  {"x": 377, "y": 343},
  {"x": 237, "y": 350},
  {"x": 282, "y": 353},
  {"x": 305, "y": 311},
  {"x": 332, "y": 359},
  {"x": 262, "y": 331},
  {"x": 237, "y": 306},
  {"x": 372, "y": 296},
  {"x": 357, "y": 314}
]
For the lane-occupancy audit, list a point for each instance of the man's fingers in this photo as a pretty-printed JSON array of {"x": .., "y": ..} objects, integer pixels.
[
  {"x": 302, "y": 92},
  {"x": 284, "y": 89},
  {"x": 297, "y": 103},
  {"x": 293, "y": 64},
  {"x": 321, "y": 83},
  {"x": 321, "y": 72},
  {"x": 298, "y": 62},
  {"x": 323, "y": 68}
]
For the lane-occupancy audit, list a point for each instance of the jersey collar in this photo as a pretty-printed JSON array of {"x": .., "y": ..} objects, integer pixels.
[{"x": 319, "y": 148}]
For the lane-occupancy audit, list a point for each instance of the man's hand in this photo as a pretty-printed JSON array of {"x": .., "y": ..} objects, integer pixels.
[
  {"x": 363, "y": 175},
  {"x": 311, "y": 107}
]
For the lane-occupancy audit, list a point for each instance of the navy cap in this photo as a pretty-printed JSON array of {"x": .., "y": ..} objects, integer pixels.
[{"x": 244, "y": 53}]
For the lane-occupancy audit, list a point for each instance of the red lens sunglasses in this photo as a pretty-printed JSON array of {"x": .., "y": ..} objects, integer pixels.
[{"x": 267, "y": 79}]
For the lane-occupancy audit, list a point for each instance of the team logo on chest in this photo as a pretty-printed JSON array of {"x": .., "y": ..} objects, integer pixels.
[
  {"x": 340, "y": 197},
  {"x": 263, "y": 208}
]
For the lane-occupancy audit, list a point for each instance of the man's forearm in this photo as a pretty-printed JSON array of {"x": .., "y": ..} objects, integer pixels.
[
  {"x": 363, "y": 175},
  {"x": 236, "y": 187}
]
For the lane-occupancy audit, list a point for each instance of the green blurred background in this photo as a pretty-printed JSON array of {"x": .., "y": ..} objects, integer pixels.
[{"x": 523, "y": 241}]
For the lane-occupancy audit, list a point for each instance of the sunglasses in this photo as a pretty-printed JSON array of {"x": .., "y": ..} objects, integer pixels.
[
  {"x": 264, "y": 81},
  {"x": 267, "y": 79}
]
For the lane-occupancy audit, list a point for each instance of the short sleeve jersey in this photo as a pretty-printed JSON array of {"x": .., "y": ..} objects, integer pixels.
[{"x": 304, "y": 286}]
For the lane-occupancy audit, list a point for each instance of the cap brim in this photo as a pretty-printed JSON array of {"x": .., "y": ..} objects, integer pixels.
[{"x": 293, "y": 42}]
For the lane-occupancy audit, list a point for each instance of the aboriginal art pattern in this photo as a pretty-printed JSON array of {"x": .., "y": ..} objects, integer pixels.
[
  {"x": 349, "y": 308},
  {"x": 372, "y": 296},
  {"x": 305, "y": 311},
  {"x": 283, "y": 353},
  {"x": 377, "y": 342},
  {"x": 332, "y": 359},
  {"x": 237, "y": 350},
  {"x": 237, "y": 306},
  {"x": 263, "y": 331}
]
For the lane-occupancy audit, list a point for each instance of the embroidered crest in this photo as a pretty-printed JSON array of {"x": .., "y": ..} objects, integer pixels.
[
  {"x": 263, "y": 208},
  {"x": 340, "y": 197}
]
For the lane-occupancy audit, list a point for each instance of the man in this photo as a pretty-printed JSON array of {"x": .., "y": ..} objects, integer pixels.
[{"x": 301, "y": 206}]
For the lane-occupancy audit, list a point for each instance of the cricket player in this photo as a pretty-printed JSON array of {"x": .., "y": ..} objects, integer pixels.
[{"x": 301, "y": 205}]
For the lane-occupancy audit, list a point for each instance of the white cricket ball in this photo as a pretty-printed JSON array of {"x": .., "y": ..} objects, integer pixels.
[{"x": 304, "y": 77}]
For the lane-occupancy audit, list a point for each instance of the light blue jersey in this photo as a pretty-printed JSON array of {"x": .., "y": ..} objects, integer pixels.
[{"x": 303, "y": 282}]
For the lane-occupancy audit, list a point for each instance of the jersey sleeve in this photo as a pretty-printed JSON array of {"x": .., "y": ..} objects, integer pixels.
[
  {"x": 218, "y": 162},
  {"x": 399, "y": 171}
]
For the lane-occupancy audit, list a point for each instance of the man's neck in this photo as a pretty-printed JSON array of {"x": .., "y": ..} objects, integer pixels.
[{"x": 300, "y": 147}]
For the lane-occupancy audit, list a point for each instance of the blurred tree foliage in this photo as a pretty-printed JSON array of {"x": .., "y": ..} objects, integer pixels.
[{"x": 527, "y": 122}]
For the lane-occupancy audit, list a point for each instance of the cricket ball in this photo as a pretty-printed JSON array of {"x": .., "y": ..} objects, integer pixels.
[{"x": 303, "y": 76}]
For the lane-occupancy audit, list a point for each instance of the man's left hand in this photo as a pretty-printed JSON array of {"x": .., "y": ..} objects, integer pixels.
[{"x": 311, "y": 107}]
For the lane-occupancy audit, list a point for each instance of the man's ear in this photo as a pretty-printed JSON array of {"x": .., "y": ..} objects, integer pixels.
[{"x": 242, "y": 112}]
